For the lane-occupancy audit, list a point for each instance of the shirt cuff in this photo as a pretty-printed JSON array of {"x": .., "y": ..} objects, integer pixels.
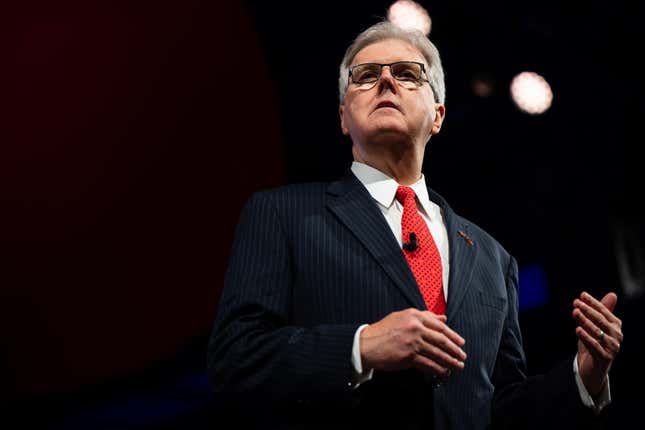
[
  {"x": 360, "y": 375},
  {"x": 604, "y": 397}
]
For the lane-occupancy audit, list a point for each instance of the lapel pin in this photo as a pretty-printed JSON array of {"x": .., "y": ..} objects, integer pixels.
[{"x": 466, "y": 238}]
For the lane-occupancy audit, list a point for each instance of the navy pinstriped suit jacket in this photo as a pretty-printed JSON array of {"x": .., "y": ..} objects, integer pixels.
[{"x": 312, "y": 262}]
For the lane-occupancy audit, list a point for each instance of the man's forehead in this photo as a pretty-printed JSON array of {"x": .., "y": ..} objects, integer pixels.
[{"x": 388, "y": 51}]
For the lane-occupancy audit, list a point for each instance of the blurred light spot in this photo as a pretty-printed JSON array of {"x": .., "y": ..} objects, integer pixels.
[
  {"x": 531, "y": 93},
  {"x": 482, "y": 86},
  {"x": 409, "y": 15},
  {"x": 534, "y": 289}
]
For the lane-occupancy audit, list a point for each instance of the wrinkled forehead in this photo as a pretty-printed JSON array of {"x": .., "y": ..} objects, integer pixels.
[{"x": 388, "y": 51}]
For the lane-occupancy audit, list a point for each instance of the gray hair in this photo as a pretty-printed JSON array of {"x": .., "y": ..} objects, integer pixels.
[{"x": 386, "y": 30}]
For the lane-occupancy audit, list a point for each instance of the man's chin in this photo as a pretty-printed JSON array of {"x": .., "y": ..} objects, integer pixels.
[
  {"x": 387, "y": 126},
  {"x": 389, "y": 134}
]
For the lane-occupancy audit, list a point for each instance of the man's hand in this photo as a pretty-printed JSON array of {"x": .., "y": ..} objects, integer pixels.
[
  {"x": 600, "y": 335},
  {"x": 412, "y": 339}
]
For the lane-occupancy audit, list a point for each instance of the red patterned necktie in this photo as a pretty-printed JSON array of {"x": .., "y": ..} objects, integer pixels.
[{"x": 421, "y": 252}]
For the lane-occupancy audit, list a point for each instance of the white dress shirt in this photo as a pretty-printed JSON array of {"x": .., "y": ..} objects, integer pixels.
[{"x": 382, "y": 188}]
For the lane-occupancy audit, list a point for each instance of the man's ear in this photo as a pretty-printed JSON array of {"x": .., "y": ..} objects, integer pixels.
[
  {"x": 341, "y": 111},
  {"x": 439, "y": 115}
]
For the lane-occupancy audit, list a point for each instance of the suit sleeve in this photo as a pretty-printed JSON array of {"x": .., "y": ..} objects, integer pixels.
[
  {"x": 538, "y": 402},
  {"x": 254, "y": 349}
]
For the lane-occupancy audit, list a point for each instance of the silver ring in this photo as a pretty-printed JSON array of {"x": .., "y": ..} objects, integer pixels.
[{"x": 601, "y": 335}]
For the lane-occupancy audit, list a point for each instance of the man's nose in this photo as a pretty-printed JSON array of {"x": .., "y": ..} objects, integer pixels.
[{"x": 387, "y": 80}]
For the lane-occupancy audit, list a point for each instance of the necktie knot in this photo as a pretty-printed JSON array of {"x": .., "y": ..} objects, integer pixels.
[{"x": 405, "y": 194}]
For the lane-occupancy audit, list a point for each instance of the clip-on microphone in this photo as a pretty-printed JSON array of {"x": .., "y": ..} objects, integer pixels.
[{"x": 412, "y": 245}]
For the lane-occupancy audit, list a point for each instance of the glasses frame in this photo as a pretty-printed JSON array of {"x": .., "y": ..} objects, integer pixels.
[{"x": 421, "y": 80}]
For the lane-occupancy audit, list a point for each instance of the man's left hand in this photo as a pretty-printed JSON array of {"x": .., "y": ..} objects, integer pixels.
[{"x": 599, "y": 334}]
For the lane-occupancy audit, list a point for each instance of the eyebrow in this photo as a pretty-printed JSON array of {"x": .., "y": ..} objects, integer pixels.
[{"x": 356, "y": 63}]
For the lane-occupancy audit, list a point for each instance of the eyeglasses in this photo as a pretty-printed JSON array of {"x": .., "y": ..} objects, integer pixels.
[{"x": 409, "y": 74}]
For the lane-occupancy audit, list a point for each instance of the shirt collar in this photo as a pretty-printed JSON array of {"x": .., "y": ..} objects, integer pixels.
[{"x": 383, "y": 188}]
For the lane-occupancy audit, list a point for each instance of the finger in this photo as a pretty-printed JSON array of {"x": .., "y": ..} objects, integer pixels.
[
  {"x": 593, "y": 315},
  {"x": 440, "y": 356},
  {"x": 610, "y": 343},
  {"x": 592, "y": 344},
  {"x": 606, "y": 341},
  {"x": 429, "y": 320},
  {"x": 439, "y": 334},
  {"x": 586, "y": 323},
  {"x": 610, "y": 299},
  {"x": 599, "y": 320},
  {"x": 423, "y": 363},
  {"x": 439, "y": 340}
]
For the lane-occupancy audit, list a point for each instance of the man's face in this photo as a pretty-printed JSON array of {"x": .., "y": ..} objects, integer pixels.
[{"x": 387, "y": 111}]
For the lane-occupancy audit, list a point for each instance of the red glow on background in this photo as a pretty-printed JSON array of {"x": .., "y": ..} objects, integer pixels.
[{"x": 122, "y": 172}]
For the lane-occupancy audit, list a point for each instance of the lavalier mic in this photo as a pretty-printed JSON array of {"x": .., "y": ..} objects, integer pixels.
[{"x": 412, "y": 245}]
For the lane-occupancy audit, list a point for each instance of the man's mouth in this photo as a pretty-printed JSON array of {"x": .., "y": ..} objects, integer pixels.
[{"x": 386, "y": 104}]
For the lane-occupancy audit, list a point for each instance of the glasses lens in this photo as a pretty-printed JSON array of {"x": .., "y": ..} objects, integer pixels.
[
  {"x": 364, "y": 74},
  {"x": 408, "y": 73}
]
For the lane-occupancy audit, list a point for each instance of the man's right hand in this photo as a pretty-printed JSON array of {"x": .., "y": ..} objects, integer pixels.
[{"x": 412, "y": 339}]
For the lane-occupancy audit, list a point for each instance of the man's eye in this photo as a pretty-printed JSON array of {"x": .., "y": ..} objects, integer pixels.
[
  {"x": 407, "y": 75},
  {"x": 365, "y": 75}
]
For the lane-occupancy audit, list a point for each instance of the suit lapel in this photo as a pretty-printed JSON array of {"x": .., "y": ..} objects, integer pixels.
[
  {"x": 352, "y": 204},
  {"x": 463, "y": 251}
]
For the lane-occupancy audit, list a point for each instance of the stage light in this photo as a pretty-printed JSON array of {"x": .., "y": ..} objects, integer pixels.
[
  {"x": 531, "y": 93},
  {"x": 409, "y": 15}
]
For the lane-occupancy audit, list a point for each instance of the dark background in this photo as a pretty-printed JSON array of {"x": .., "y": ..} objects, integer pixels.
[{"x": 132, "y": 132}]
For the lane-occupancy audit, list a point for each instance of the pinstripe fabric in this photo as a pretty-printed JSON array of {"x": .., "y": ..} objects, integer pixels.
[{"x": 312, "y": 262}]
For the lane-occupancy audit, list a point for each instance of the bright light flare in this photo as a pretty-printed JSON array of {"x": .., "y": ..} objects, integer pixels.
[
  {"x": 531, "y": 93},
  {"x": 409, "y": 15}
]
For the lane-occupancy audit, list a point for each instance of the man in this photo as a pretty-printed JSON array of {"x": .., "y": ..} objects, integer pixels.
[{"x": 368, "y": 303}]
